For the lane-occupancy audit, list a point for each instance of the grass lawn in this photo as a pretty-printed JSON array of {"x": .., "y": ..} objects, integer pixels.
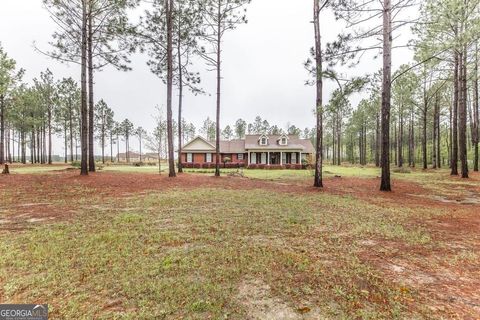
[{"x": 135, "y": 245}]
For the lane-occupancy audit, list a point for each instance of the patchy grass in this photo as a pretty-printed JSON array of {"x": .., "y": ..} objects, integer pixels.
[
  {"x": 37, "y": 169},
  {"x": 286, "y": 174},
  {"x": 132, "y": 169},
  {"x": 196, "y": 251},
  {"x": 158, "y": 252}
]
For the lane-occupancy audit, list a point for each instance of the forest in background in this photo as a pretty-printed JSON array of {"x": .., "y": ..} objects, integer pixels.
[{"x": 424, "y": 114}]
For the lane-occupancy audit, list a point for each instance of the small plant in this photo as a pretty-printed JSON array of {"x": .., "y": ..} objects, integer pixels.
[
  {"x": 225, "y": 161},
  {"x": 138, "y": 164},
  {"x": 77, "y": 164},
  {"x": 402, "y": 170}
]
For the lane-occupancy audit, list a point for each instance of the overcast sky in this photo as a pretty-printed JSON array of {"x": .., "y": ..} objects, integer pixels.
[{"x": 263, "y": 66}]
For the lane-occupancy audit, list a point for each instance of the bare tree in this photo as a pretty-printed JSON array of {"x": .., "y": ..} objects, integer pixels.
[
  {"x": 358, "y": 14},
  {"x": 219, "y": 16}
]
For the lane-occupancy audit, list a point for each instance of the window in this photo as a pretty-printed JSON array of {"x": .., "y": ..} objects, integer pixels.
[
  {"x": 294, "y": 158},
  {"x": 208, "y": 157},
  {"x": 284, "y": 142},
  {"x": 240, "y": 156},
  {"x": 264, "y": 158},
  {"x": 189, "y": 157},
  {"x": 263, "y": 141},
  {"x": 253, "y": 158}
]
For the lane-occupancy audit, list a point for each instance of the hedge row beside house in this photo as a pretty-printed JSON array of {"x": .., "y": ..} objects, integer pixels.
[
  {"x": 278, "y": 166},
  {"x": 212, "y": 165},
  {"x": 241, "y": 165}
]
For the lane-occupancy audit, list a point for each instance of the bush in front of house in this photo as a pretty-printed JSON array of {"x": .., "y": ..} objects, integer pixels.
[
  {"x": 209, "y": 165},
  {"x": 276, "y": 167},
  {"x": 234, "y": 165}
]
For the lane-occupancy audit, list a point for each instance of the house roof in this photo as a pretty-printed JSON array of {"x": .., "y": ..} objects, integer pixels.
[
  {"x": 200, "y": 144},
  {"x": 131, "y": 154},
  {"x": 294, "y": 142},
  {"x": 232, "y": 146},
  {"x": 151, "y": 155}
]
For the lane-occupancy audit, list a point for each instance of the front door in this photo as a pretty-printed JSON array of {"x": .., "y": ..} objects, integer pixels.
[{"x": 275, "y": 158}]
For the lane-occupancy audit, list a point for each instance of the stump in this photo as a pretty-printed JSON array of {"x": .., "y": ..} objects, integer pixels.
[{"x": 6, "y": 170}]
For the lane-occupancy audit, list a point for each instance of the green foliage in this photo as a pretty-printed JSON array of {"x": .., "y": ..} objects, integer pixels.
[{"x": 76, "y": 164}]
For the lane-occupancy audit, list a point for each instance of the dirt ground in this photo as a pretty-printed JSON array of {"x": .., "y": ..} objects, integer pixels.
[{"x": 451, "y": 287}]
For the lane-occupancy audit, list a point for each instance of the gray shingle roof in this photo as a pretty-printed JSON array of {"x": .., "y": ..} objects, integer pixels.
[
  {"x": 294, "y": 142},
  {"x": 251, "y": 143}
]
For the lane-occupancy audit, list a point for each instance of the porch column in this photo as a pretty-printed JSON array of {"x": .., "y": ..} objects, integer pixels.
[
  {"x": 268, "y": 158},
  {"x": 281, "y": 158},
  {"x": 248, "y": 159}
]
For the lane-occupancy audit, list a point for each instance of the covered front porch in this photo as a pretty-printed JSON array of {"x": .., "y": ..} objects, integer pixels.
[{"x": 274, "y": 158}]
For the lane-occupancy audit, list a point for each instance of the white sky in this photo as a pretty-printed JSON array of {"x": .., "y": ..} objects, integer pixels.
[{"x": 263, "y": 66}]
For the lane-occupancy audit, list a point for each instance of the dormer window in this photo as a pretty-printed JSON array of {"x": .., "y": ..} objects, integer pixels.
[
  {"x": 283, "y": 141},
  {"x": 263, "y": 141}
]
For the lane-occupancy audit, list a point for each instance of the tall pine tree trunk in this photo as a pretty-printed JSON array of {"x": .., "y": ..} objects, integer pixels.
[
  {"x": 219, "y": 83},
  {"x": 377, "y": 141},
  {"x": 386, "y": 94},
  {"x": 475, "y": 120},
  {"x": 111, "y": 146},
  {"x": 434, "y": 135},
  {"x": 91, "y": 113},
  {"x": 400, "y": 141},
  {"x": 454, "y": 154},
  {"x": 84, "y": 106},
  {"x": 424, "y": 127},
  {"x": 2, "y": 129},
  {"x": 32, "y": 146},
  {"x": 118, "y": 147},
  {"x": 103, "y": 142},
  {"x": 171, "y": 160},
  {"x": 49, "y": 135},
  {"x": 439, "y": 151},
  {"x": 318, "y": 180},
  {"x": 70, "y": 120},
  {"x": 462, "y": 114},
  {"x": 180, "y": 99},
  {"x": 66, "y": 140}
]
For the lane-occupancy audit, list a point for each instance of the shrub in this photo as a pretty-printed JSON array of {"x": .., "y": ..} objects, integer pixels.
[
  {"x": 209, "y": 165},
  {"x": 253, "y": 166},
  {"x": 234, "y": 165},
  {"x": 138, "y": 164},
  {"x": 275, "y": 167},
  {"x": 402, "y": 170},
  {"x": 77, "y": 164}
]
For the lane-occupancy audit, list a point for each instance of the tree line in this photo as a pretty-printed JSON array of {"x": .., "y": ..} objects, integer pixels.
[
  {"x": 425, "y": 112},
  {"x": 240, "y": 128},
  {"x": 33, "y": 115}
]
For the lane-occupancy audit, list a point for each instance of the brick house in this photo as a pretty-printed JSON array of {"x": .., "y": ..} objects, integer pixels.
[
  {"x": 128, "y": 157},
  {"x": 255, "y": 151},
  {"x": 135, "y": 157}
]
